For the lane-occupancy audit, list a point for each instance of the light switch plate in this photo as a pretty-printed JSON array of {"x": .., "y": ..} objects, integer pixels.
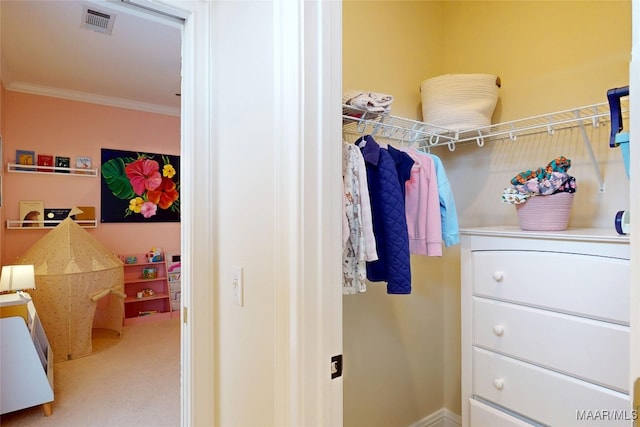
[{"x": 238, "y": 285}]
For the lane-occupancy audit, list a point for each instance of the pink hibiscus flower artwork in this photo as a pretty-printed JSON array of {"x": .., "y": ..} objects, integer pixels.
[{"x": 139, "y": 187}]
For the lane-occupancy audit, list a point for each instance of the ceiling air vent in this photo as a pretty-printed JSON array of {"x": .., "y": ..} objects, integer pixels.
[{"x": 98, "y": 21}]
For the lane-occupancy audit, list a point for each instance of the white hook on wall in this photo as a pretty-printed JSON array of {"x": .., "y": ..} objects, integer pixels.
[
  {"x": 480, "y": 140},
  {"x": 550, "y": 129}
]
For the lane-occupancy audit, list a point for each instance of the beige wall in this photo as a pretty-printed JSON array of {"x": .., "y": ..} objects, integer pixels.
[
  {"x": 390, "y": 47},
  {"x": 550, "y": 56},
  {"x": 246, "y": 338},
  {"x": 571, "y": 63}
]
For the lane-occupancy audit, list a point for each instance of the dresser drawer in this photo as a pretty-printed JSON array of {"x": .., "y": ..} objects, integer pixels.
[
  {"x": 545, "y": 396},
  {"x": 587, "y": 285},
  {"x": 589, "y": 349},
  {"x": 483, "y": 415}
]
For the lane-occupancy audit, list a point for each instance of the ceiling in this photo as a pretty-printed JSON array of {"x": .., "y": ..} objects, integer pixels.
[{"x": 47, "y": 50}]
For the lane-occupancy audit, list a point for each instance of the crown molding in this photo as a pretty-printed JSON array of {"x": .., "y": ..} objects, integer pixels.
[{"x": 91, "y": 98}]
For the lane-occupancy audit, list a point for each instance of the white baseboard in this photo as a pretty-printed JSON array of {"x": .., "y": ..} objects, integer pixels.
[{"x": 441, "y": 418}]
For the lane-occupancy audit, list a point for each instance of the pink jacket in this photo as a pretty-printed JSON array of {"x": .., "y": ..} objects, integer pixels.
[{"x": 422, "y": 204}]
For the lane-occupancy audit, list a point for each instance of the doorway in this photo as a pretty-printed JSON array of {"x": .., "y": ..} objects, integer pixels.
[{"x": 121, "y": 9}]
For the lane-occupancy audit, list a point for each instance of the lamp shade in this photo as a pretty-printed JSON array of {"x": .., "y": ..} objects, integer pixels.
[{"x": 17, "y": 278}]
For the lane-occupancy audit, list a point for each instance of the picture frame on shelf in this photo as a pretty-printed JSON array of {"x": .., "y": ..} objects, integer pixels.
[
  {"x": 88, "y": 214},
  {"x": 25, "y": 157},
  {"x": 45, "y": 160},
  {"x": 55, "y": 214},
  {"x": 149, "y": 273},
  {"x": 31, "y": 213},
  {"x": 63, "y": 162},
  {"x": 83, "y": 162},
  {"x": 174, "y": 264}
]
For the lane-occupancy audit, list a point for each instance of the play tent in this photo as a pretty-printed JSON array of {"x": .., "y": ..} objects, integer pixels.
[{"x": 79, "y": 286}]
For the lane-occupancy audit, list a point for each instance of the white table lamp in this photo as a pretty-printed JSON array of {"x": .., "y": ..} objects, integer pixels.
[{"x": 17, "y": 278}]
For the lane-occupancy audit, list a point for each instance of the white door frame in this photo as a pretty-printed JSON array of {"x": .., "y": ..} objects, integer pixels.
[
  {"x": 634, "y": 196},
  {"x": 310, "y": 123},
  {"x": 308, "y": 85},
  {"x": 198, "y": 245}
]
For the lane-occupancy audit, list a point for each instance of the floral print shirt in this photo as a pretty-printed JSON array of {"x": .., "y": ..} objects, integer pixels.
[{"x": 359, "y": 243}]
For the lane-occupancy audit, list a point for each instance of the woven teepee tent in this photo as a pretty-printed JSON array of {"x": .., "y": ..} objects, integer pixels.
[{"x": 79, "y": 286}]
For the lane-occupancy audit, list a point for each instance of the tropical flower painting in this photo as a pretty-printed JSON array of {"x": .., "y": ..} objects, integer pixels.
[{"x": 139, "y": 187}]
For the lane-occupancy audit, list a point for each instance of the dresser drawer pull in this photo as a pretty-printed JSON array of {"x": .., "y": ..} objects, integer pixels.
[
  {"x": 498, "y": 330},
  {"x": 498, "y": 383},
  {"x": 498, "y": 276}
]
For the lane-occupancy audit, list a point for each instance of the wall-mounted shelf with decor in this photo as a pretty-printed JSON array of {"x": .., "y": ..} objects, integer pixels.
[
  {"x": 16, "y": 224},
  {"x": 51, "y": 170}
]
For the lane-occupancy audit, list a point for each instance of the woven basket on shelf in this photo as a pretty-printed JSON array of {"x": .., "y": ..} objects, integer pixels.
[
  {"x": 459, "y": 101},
  {"x": 545, "y": 213}
]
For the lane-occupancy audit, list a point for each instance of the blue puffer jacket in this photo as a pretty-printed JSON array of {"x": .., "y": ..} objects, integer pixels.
[{"x": 389, "y": 219}]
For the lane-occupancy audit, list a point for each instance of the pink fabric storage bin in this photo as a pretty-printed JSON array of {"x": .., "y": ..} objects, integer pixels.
[{"x": 545, "y": 213}]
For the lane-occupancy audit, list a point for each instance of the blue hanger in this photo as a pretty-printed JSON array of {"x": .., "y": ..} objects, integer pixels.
[{"x": 614, "y": 95}]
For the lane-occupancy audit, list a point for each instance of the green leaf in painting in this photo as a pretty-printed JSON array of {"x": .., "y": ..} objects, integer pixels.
[{"x": 116, "y": 179}]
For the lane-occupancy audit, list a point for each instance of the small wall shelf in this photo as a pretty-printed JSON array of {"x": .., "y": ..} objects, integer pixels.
[
  {"x": 52, "y": 170},
  {"x": 16, "y": 224}
]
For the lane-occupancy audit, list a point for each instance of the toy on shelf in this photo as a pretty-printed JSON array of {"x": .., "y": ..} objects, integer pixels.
[
  {"x": 149, "y": 273},
  {"x": 155, "y": 255}
]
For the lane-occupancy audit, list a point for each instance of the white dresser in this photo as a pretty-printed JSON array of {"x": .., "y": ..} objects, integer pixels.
[
  {"x": 26, "y": 358},
  {"x": 545, "y": 328}
]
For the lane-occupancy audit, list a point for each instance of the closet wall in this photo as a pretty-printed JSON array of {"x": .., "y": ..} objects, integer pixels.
[
  {"x": 557, "y": 55},
  {"x": 402, "y": 353}
]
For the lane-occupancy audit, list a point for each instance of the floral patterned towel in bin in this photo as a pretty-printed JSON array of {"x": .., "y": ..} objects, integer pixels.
[{"x": 543, "y": 181}]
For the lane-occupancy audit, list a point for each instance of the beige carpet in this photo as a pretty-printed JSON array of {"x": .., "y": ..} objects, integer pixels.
[{"x": 134, "y": 383}]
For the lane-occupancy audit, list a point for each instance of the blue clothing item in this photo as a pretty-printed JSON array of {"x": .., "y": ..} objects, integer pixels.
[
  {"x": 388, "y": 218},
  {"x": 403, "y": 163},
  {"x": 448, "y": 212}
]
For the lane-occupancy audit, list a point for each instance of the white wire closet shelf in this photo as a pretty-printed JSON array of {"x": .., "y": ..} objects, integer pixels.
[{"x": 424, "y": 135}]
